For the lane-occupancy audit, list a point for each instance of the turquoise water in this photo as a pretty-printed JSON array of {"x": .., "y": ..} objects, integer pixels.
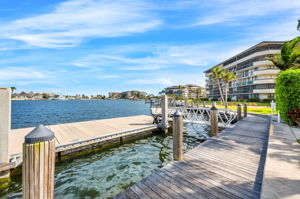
[{"x": 105, "y": 174}]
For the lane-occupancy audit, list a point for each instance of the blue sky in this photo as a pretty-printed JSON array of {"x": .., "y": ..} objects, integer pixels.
[{"x": 97, "y": 46}]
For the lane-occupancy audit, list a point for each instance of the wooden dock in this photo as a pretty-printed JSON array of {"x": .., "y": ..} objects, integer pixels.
[
  {"x": 228, "y": 166},
  {"x": 74, "y": 135}
]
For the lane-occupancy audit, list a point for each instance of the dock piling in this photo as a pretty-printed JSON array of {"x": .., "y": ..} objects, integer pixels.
[
  {"x": 177, "y": 136},
  {"x": 245, "y": 110},
  {"x": 238, "y": 112},
  {"x": 165, "y": 112},
  {"x": 38, "y": 164},
  {"x": 214, "y": 121},
  {"x": 5, "y": 127}
]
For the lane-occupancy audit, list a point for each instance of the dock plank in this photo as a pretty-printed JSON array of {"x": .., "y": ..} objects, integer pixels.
[{"x": 227, "y": 166}]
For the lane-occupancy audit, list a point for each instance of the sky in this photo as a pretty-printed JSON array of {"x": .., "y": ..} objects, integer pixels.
[{"x": 97, "y": 46}]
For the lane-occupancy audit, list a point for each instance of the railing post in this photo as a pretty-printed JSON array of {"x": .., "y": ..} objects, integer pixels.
[
  {"x": 165, "y": 113},
  {"x": 186, "y": 102},
  {"x": 177, "y": 136},
  {"x": 38, "y": 164},
  {"x": 245, "y": 110},
  {"x": 174, "y": 101},
  {"x": 238, "y": 112},
  {"x": 214, "y": 121},
  {"x": 5, "y": 122}
]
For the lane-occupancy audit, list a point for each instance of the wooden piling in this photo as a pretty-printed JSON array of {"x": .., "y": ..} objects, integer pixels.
[
  {"x": 38, "y": 164},
  {"x": 5, "y": 127},
  {"x": 214, "y": 121},
  {"x": 238, "y": 112},
  {"x": 165, "y": 113},
  {"x": 245, "y": 110},
  {"x": 177, "y": 136}
]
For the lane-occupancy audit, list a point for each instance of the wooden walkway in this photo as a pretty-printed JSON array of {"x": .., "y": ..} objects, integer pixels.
[
  {"x": 83, "y": 131},
  {"x": 229, "y": 166}
]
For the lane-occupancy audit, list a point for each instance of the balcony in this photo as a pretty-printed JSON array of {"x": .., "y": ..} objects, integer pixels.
[
  {"x": 264, "y": 81},
  {"x": 266, "y": 72},
  {"x": 269, "y": 90},
  {"x": 260, "y": 53},
  {"x": 244, "y": 83},
  {"x": 262, "y": 63}
]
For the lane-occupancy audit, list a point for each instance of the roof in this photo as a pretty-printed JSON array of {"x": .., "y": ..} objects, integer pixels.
[{"x": 257, "y": 45}]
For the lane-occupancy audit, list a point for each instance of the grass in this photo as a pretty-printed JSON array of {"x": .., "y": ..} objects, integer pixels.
[{"x": 260, "y": 110}]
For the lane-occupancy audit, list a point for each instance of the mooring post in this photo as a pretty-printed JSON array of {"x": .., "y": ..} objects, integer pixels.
[
  {"x": 5, "y": 122},
  {"x": 245, "y": 110},
  {"x": 238, "y": 112},
  {"x": 165, "y": 113},
  {"x": 177, "y": 136},
  {"x": 214, "y": 121},
  {"x": 174, "y": 102},
  {"x": 38, "y": 164}
]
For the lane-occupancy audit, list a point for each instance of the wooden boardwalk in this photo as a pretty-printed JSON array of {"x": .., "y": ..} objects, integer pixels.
[
  {"x": 228, "y": 166},
  {"x": 83, "y": 131}
]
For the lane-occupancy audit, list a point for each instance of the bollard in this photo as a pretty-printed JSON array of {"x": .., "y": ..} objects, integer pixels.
[
  {"x": 38, "y": 164},
  {"x": 245, "y": 110},
  {"x": 214, "y": 121},
  {"x": 238, "y": 112},
  {"x": 165, "y": 113},
  {"x": 5, "y": 122},
  {"x": 177, "y": 136}
]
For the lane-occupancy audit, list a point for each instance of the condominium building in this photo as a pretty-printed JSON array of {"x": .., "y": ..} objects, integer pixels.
[
  {"x": 127, "y": 95},
  {"x": 255, "y": 75},
  {"x": 190, "y": 91}
]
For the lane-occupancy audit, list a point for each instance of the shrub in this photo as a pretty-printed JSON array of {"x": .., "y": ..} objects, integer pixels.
[
  {"x": 267, "y": 100},
  {"x": 255, "y": 99},
  {"x": 287, "y": 94}
]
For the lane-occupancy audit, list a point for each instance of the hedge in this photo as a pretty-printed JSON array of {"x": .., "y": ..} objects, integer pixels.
[{"x": 287, "y": 94}]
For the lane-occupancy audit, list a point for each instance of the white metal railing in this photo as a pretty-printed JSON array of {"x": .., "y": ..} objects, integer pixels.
[{"x": 194, "y": 114}]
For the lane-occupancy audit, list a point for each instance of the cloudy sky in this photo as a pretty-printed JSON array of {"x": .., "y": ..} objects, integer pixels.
[{"x": 97, "y": 46}]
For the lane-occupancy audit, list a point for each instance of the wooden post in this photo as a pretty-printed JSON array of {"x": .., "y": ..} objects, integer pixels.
[
  {"x": 174, "y": 102},
  {"x": 186, "y": 102},
  {"x": 38, "y": 164},
  {"x": 5, "y": 122},
  {"x": 165, "y": 113},
  {"x": 177, "y": 136},
  {"x": 245, "y": 110},
  {"x": 214, "y": 121},
  {"x": 238, "y": 112}
]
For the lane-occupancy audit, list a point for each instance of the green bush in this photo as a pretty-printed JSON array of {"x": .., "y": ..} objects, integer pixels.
[{"x": 287, "y": 93}]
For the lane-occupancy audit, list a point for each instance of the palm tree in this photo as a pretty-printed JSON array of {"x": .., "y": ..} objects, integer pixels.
[
  {"x": 289, "y": 58},
  {"x": 217, "y": 74},
  {"x": 13, "y": 89},
  {"x": 227, "y": 77}
]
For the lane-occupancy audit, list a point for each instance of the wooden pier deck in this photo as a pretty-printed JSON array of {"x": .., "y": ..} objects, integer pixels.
[
  {"x": 228, "y": 166},
  {"x": 80, "y": 132}
]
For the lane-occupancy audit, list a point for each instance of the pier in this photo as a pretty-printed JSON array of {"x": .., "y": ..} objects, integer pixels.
[{"x": 228, "y": 166}]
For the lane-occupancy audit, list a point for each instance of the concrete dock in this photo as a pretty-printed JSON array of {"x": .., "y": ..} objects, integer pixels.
[{"x": 78, "y": 136}]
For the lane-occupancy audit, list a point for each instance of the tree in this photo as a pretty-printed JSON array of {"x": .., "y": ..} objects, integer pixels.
[
  {"x": 13, "y": 89},
  {"x": 289, "y": 58},
  {"x": 217, "y": 74},
  {"x": 227, "y": 77}
]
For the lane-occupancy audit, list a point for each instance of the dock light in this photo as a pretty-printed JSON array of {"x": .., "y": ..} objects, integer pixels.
[{"x": 298, "y": 27}]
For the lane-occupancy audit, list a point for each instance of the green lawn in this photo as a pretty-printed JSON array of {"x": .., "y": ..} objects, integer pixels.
[{"x": 261, "y": 110}]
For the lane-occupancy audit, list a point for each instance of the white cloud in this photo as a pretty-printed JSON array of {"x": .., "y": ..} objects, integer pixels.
[
  {"x": 235, "y": 10},
  {"x": 16, "y": 73},
  {"x": 73, "y": 21}
]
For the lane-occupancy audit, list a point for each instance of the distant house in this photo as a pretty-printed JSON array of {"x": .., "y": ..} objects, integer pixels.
[
  {"x": 114, "y": 95},
  {"x": 134, "y": 94},
  {"x": 38, "y": 96},
  {"x": 190, "y": 91}
]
